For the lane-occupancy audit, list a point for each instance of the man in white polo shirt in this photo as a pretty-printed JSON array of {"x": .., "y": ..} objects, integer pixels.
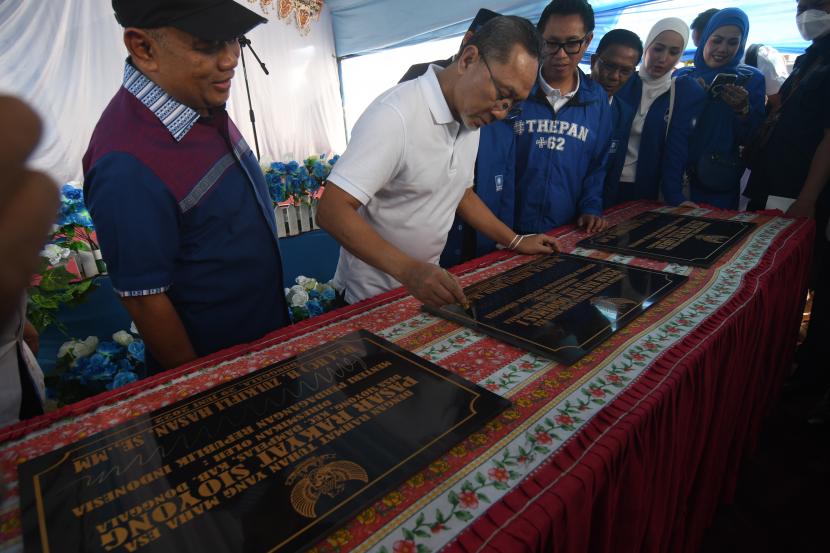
[{"x": 408, "y": 169}]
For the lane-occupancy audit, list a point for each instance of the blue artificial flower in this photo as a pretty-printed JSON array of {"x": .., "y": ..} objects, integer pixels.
[
  {"x": 313, "y": 295},
  {"x": 125, "y": 365},
  {"x": 65, "y": 214},
  {"x": 278, "y": 167},
  {"x": 334, "y": 159},
  {"x": 292, "y": 166},
  {"x": 108, "y": 348},
  {"x": 71, "y": 193},
  {"x": 136, "y": 349},
  {"x": 100, "y": 367},
  {"x": 319, "y": 170},
  {"x": 81, "y": 218},
  {"x": 328, "y": 294},
  {"x": 121, "y": 379},
  {"x": 314, "y": 308}
]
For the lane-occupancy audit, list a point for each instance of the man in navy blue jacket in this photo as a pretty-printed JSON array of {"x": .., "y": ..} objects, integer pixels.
[
  {"x": 614, "y": 62},
  {"x": 563, "y": 133}
]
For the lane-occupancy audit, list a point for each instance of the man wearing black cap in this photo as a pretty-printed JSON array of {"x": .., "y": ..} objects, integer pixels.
[{"x": 178, "y": 199}]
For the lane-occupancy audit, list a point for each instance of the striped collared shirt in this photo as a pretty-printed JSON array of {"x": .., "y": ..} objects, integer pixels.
[{"x": 175, "y": 116}]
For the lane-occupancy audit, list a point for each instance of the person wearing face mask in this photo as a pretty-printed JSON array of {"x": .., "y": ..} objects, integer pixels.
[
  {"x": 408, "y": 169},
  {"x": 666, "y": 110},
  {"x": 791, "y": 163},
  {"x": 731, "y": 114}
]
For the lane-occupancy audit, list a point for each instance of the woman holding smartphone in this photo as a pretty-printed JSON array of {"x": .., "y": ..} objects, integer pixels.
[
  {"x": 665, "y": 111},
  {"x": 732, "y": 112}
]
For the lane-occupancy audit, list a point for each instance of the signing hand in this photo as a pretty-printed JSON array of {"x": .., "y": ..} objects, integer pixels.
[
  {"x": 432, "y": 285},
  {"x": 537, "y": 243},
  {"x": 591, "y": 223},
  {"x": 736, "y": 97}
]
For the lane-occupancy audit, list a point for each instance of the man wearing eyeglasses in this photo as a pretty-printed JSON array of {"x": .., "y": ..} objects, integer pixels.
[
  {"x": 408, "y": 168},
  {"x": 612, "y": 64},
  {"x": 494, "y": 185},
  {"x": 563, "y": 133}
]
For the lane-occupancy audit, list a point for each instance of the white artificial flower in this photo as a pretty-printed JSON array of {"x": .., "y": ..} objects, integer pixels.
[
  {"x": 265, "y": 165},
  {"x": 67, "y": 347},
  {"x": 310, "y": 284},
  {"x": 301, "y": 280},
  {"x": 299, "y": 299},
  {"x": 86, "y": 347},
  {"x": 133, "y": 328},
  {"x": 297, "y": 288},
  {"x": 55, "y": 254},
  {"x": 123, "y": 338}
]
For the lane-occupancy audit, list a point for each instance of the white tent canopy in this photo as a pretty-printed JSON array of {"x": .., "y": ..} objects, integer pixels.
[
  {"x": 66, "y": 59},
  {"x": 362, "y": 26}
]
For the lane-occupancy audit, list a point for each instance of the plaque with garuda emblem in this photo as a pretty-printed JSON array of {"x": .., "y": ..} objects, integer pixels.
[
  {"x": 561, "y": 306},
  {"x": 681, "y": 239},
  {"x": 270, "y": 462}
]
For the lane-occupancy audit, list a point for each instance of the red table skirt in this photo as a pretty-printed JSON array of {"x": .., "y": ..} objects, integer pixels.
[
  {"x": 649, "y": 471},
  {"x": 643, "y": 437}
]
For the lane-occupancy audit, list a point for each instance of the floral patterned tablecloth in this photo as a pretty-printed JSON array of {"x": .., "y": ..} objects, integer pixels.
[{"x": 551, "y": 403}]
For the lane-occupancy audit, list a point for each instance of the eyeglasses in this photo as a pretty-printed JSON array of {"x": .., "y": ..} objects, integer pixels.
[
  {"x": 571, "y": 47},
  {"x": 503, "y": 102},
  {"x": 624, "y": 72}
]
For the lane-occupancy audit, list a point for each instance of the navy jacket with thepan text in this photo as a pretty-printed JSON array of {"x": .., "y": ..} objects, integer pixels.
[{"x": 560, "y": 158}]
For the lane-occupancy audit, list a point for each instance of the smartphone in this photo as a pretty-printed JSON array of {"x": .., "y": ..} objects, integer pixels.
[{"x": 720, "y": 80}]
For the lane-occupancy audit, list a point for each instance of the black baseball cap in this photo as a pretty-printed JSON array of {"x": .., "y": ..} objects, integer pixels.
[{"x": 205, "y": 19}]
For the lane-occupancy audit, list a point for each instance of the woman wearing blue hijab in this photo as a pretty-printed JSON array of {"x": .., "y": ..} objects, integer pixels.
[{"x": 733, "y": 111}]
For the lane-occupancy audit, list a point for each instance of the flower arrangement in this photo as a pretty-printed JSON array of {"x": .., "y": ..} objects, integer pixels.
[
  {"x": 309, "y": 298},
  {"x": 54, "y": 284},
  {"x": 87, "y": 367},
  {"x": 298, "y": 182},
  {"x": 74, "y": 225}
]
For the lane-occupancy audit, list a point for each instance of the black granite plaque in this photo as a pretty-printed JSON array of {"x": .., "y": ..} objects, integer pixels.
[
  {"x": 268, "y": 462},
  {"x": 681, "y": 239},
  {"x": 561, "y": 306}
]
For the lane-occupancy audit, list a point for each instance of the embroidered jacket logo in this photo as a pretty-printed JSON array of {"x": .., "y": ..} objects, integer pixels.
[{"x": 551, "y": 126}]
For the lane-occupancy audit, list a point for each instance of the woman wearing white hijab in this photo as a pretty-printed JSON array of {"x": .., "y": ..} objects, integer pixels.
[{"x": 665, "y": 114}]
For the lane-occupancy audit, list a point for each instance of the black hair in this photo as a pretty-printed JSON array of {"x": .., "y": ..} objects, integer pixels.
[
  {"x": 751, "y": 56},
  {"x": 623, "y": 37},
  {"x": 496, "y": 38},
  {"x": 568, "y": 7},
  {"x": 702, "y": 19},
  {"x": 482, "y": 16}
]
